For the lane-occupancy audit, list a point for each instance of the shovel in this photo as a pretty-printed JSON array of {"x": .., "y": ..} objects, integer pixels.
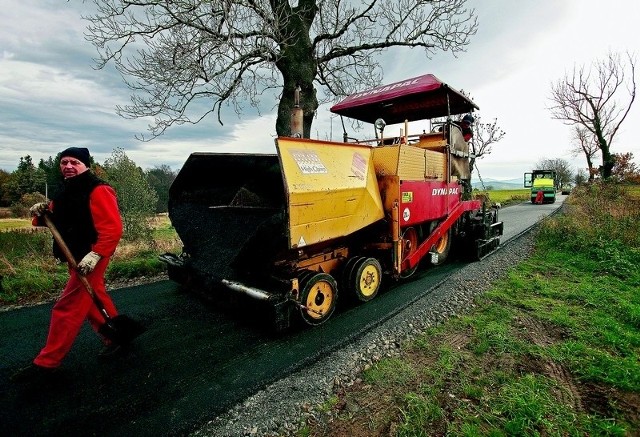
[{"x": 119, "y": 329}]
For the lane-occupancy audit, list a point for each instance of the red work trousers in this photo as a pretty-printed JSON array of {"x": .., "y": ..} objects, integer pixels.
[{"x": 69, "y": 312}]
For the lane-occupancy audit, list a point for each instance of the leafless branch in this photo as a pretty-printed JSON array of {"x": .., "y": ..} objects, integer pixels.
[
  {"x": 596, "y": 100},
  {"x": 184, "y": 60}
]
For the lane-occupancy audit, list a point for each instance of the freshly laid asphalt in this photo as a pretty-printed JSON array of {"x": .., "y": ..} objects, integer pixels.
[{"x": 194, "y": 361}]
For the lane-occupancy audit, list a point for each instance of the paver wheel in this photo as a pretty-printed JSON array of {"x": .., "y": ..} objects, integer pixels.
[
  {"x": 365, "y": 278},
  {"x": 318, "y": 296},
  {"x": 442, "y": 247},
  {"x": 409, "y": 246}
]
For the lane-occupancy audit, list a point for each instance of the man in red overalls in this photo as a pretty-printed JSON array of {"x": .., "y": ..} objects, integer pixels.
[{"x": 87, "y": 216}]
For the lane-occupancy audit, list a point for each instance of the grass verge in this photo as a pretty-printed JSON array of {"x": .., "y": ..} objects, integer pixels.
[{"x": 553, "y": 349}]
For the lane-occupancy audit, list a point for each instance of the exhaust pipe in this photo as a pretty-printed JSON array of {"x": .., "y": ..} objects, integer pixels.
[
  {"x": 253, "y": 292},
  {"x": 296, "y": 116}
]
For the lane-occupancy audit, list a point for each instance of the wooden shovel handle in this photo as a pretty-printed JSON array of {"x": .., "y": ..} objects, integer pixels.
[{"x": 67, "y": 253}]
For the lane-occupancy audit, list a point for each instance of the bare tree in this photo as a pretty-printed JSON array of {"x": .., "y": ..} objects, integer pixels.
[
  {"x": 580, "y": 177},
  {"x": 592, "y": 98},
  {"x": 585, "y": 144},
  {"x": 564, "y": 175},
  {"x": 484, "y": 136},
  {"x": 186, "y": 59}
]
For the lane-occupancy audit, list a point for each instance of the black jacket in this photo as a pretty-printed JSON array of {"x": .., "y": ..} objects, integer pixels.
[{"x": 72, "y": 215}]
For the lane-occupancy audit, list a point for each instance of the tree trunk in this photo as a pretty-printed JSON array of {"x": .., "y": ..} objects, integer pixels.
[
  {"x": 607, "y": 159},
  {"x": 308, "y": 103},
  {"x": 608, "y": 162},
  {"x": 298, "y": 65},
  {"x": 590, "y": 168}
]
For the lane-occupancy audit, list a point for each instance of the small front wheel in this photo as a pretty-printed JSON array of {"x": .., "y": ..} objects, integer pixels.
[
  {"x": 366, "y": 278},
  {"x": 441, "y": 248},
  {"x": 318, "y": 298}
]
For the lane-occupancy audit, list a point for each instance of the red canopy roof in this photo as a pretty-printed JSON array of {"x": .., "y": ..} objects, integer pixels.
[{"x": 420, "y": 98}]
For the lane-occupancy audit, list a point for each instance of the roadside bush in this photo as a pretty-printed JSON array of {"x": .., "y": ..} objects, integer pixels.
[
  {"x": 148, "y": 265},
  {"x": 21, "y": 207},
  {"x": 602, "y": 225},
  {"x": 27, "y": 269},
  {"x": 28, "y": 246},
  {"x": 602, "y": 211}
]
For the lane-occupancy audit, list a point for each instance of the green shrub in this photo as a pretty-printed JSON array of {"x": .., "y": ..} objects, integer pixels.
[
  {"x": 601, "y": 226},
  {"x": 21, "y": 207},
  {"x": 27, "y": 268},
  {"x": 148, "y": 265}
]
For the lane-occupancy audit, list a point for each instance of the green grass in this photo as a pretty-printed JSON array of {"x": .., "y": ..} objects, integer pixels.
[
  {"x": 390, "y": 372},
  {"x": 634, "y": 191},
  {"x": 590, "y": 329},
  {"x": 507, "y": 197},
  {"x": 552, "y": 349},
  {"x": 418, "y": 412},
  {"x": 9, "y": 224}
]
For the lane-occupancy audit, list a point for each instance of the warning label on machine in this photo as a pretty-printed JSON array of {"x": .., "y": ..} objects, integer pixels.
[
  {"x": 358, "y": 166},
  {"x": 308, "y": 161},
  {"x": 407, "y": 196}
]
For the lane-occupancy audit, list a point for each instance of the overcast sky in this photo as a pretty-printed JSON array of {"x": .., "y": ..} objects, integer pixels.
[{"x": 51, "y": 97}]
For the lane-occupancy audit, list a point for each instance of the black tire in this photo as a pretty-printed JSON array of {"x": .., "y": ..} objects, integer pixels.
[
  {"x": 365, "y": 280},
  {"x": 442, "y": 248},
  {"x": 318, "y": 298},
  {"x": 346, "y": 286}
]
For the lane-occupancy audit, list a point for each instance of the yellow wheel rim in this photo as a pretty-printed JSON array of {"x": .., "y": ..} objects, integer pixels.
[
  {"x": 319, "y": 300},
  {"x": 369, "y": 280}
]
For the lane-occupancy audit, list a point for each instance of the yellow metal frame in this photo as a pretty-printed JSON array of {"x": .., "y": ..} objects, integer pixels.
[{"x": 331, "y": 188}]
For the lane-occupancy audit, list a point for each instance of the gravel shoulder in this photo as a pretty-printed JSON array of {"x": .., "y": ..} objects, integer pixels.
[{"x": 279, "y": 409}]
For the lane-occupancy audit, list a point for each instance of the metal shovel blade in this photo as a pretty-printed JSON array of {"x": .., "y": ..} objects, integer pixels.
[{"x": 121, "y": 329}]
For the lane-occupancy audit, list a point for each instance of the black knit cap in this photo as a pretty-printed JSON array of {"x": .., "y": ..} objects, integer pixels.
[{"x": 80, "y": 153}]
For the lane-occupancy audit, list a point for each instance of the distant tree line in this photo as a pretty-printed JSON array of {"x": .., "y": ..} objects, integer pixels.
[
  {"x": 141, "y": 193},
  {"x": 624, "y": 170}
]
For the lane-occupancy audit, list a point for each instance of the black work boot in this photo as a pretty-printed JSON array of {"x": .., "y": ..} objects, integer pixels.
[
  {"x": 33, "y": 372},
  {"x": 113, "y": 350}
]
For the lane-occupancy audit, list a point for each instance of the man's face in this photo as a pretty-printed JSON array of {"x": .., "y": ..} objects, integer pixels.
[{"x": 70, "y": 167}]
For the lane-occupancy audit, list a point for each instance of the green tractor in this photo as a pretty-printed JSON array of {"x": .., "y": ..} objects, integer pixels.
[{"x": 543, "y": 184}]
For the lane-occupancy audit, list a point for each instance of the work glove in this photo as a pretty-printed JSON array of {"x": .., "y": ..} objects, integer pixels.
[
  {"x": 88, "y": 263},
  {"x": 38, "y": 209}
]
